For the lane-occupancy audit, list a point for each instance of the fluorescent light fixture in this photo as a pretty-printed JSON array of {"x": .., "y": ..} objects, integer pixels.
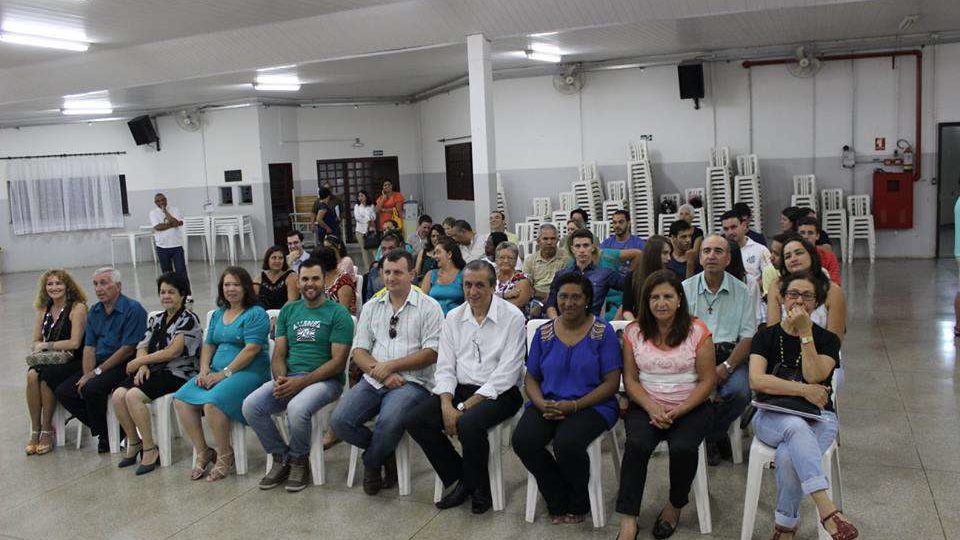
[
  {"x": 87, "y": 106},
  {"x": 38, "y": 41},
  {"x": 270, "y": 87},
  {"x": 543, "y": 57},
  {"x": 274, "y": 68},
  {"x": 110, "y": 119},
  {"x": 545, "y": 48},
  {"x": 544, "y": 34},
  {"x": 73, "y": 112},
  {"x": 32, "y": 28}
]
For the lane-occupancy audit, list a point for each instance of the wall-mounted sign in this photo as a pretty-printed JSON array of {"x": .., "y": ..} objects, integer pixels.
[
  {"x": 647, "y": 137},
  {"x": 377, "y": 153},
  {"x": 235, "y": 175},
  {"x": 880, "y": 144}
]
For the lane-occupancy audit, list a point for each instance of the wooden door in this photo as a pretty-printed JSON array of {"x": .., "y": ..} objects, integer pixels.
[{"x": 281, "y": 200}]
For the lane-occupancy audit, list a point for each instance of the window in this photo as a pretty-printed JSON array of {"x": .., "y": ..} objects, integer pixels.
[
  {"x": 226, "y": 195},
  {"x": 460, "y": 171}
]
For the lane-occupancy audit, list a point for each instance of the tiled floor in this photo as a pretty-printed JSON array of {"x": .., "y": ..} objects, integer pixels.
[{"x": 900, "y": 433}]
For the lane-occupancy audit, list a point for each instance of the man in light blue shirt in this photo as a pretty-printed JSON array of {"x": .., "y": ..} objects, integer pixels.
[{"x": 724, "y": 304}]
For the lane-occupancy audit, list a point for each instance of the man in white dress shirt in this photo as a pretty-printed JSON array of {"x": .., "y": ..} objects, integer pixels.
[
  {"x": 168, "y": 238},
  {"x": 472, "y": 244},
  {"x": 395, "y": 346},
  {"x": 482, "y": 348}
]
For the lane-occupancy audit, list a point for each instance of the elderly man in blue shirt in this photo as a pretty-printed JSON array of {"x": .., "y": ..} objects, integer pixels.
[
  {"x": 115, "y": 325},
  {"x": 724, "y": 304},
  {"x": 583, "y": 247}
]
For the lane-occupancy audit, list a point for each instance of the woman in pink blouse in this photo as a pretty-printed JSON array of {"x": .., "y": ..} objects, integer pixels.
[{"x": 668, "y": 373}]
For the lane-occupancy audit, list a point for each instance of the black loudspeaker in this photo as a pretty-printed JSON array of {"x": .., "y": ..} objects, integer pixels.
[
  {"x": 142, "y": 130},
  {"x": 691, "y": 81}
]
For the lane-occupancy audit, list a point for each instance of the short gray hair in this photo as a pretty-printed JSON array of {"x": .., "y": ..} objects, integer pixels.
[
  {"x": 549, "y": 226},
  {"x": 480, "y": 265},
  {"x": 507, "y": 245},
  {"x": 689, "y": 208},
  {"x": 114, "y": 273}
]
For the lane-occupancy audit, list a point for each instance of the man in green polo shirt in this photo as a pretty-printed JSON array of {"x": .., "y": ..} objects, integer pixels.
[{"x": 313, "y": 339}]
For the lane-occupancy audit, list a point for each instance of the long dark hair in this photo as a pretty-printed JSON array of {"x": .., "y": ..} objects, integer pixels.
[
  {"x": 651, "y": 262},
  {"x": 249, "y": 297},
  {"x": 815, "y": 270},
  {"x": 270, "y": 251},
  {"x": 428, "y": 244},
  {"x": 648, "y": 323},
  {"x": 453, "y": 248},
  {"x": 366, "y": 195},
  {"x": 736, "y": 268}
]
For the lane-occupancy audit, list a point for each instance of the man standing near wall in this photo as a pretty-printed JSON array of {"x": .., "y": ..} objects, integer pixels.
[
  {"x": 498, "y": 223},
  {"x": 168, "y": 238}
]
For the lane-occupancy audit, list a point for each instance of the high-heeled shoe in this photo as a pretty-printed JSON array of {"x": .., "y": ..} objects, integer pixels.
[
  {"x": 45, "y": 447},
  {"x": 145, "y": 468},
  {"x": 222, "y": 469},
  {"x": 203, "y": 459},
  {"x": 31, "y": 448},
  {"x": 845, "y": 529},
  {"x": 131, "y": 460}
]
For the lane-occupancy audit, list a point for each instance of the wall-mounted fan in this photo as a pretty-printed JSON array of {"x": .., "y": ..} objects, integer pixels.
[
  {"x": 806, "y": 64},
  {"x": 189, "y": 120},
  {"x": 570, "y": 81}
]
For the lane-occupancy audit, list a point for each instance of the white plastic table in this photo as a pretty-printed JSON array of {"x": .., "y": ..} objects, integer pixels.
[{"x": 131, "y": 238}]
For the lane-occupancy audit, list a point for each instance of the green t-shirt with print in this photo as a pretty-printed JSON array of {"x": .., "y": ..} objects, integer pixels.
[{"x": 311, "y": 331}]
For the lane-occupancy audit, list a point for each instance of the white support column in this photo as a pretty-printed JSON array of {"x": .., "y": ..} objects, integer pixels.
[{"x": 482, "y": 134}]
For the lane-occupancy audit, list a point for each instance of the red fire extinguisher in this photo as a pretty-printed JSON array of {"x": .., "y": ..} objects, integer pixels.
[{"x": 907, "y": 155}]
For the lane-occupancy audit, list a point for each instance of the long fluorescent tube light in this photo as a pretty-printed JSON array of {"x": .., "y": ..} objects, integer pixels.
[
  {"x": 85, "y": 111},
  {"x": 543, "y": 57},
  {"x": 545, "y": 48},
  {"x": 49, "y": 43},
  {"x": 272, "y": 87}
]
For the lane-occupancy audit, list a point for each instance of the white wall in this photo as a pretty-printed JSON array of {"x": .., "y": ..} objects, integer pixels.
[
  {"x": 230, "y": 140},
  {"x": 796, "y": 126}
]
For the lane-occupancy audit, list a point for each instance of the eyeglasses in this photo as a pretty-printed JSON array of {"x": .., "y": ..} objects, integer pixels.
[
  {"x": 393, "y": 325},
  {"x": 794, "y": 294}
]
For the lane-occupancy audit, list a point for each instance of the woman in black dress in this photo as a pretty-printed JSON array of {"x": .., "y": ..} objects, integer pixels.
[
  {"x": 61, "y": 318},
  {"x": 277, "y": 284}
]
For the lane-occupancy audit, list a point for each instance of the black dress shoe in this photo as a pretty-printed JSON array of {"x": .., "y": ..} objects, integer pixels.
[
  {"x": 103, "y": 444},
  {"x": 390, "y": 472},
  {"x": 662, "y": 529},
  {"x": 481, "y": 501},
  {"x": 713, "y": 454},
  {"x": 455, "y": 497},
  {"x": 726, "y": 449}
]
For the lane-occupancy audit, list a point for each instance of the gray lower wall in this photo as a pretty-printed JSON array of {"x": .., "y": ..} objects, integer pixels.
[{"x": 521, "y": 185}]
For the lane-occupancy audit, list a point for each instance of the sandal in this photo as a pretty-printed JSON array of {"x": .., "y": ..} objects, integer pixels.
[
  {"x": 203, "y": 459},
  {"x": 845, "y": 529},
  {"x": 223, "y": 467},
  {"x": 45, "y": 447},
  {"x": 31, "y": 448},
  {"x": 131, "y": 459},
  {"x": 573, "y": 519},
  {"x": 778, "y": 531}
]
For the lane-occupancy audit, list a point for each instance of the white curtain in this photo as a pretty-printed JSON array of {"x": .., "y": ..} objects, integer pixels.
[{"x": 65, "y": 194}]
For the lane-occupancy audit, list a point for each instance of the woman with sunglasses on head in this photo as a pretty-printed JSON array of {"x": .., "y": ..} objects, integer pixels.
[
  {"x": 800, "y": 256},
  {"x": 792, "y": 364},
  {"x": 426, "y": 259}
]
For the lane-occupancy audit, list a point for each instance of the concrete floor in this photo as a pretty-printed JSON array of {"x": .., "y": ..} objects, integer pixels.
[{"x": 900, "y": 433}]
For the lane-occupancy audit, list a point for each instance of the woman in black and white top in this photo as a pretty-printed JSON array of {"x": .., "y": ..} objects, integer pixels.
[{"x": 166, "y": 358}]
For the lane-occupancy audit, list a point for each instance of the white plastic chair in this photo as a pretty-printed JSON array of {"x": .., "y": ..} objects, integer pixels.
[
  {"x": 494, "y": 468},
  {"x": 247, "y": 233},
  {"x": 860, "y": 222},
  {"x": 524, "y": 232},
  {"x": 600, "y": 230},
  {"x": 229, "y": 227},
  {"x": 542, "y": 206},
  {"x": 701, "y": 491},
  {"x": 238, "y": 439},
  {"x": 403, "y": 465},
  {"x": 617, "y": 191},
  {"x": 198, "y": 227},
  {"x": 320, "y": 423}
]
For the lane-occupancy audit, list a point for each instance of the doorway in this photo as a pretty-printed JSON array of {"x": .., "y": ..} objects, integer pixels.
[
  {"x": 948, "y": 185},
  {"x": 281, "y": 200},
  {"x": 348, "y": 176}
]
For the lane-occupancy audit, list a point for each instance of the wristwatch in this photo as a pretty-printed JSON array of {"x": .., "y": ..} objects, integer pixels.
[
  {"x": 97, "y": 371},
  {"x": 227, "y": 372},
  {"x": 461, "y": 407},
  {"x": 728, "y": 367},
  {"x": 805, "y": 340}
]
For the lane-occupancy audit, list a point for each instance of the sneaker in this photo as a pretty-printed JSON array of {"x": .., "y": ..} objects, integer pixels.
[
  {"x": 390, "y": 472},
  {"x": 103, "y": 444},
  {"x": 299, "y": 474},
  {"x": 278, "y": 472}
]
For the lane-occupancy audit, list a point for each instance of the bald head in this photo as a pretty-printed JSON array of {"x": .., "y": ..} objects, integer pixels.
[{"x": 714, "y": 254}]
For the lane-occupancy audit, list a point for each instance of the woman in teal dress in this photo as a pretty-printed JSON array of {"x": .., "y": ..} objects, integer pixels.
[
  {"x": 234, "y": 362},
  {"x": 445, "y": 284}
]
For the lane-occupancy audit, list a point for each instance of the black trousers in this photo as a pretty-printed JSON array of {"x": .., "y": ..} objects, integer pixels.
[
  {"x": 683, "y": 438},
  {"x": 424, "y": 423},
  {"x": 562, "y": 476},
  {"x": 174, "y": 260},
  {"x": 90, "y": 407}
]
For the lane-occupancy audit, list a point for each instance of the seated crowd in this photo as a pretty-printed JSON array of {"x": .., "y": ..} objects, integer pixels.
[{"x": 437, "y": 348}]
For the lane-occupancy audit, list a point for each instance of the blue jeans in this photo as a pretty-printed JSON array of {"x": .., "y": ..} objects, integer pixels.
[
  {"x": 260, "y": 405},
  {"x": 734, "y": 394},
  {"x": 800, "y": 445},
  {"x": 173, "y": 260},
  {"x": 361, "y": 403}
]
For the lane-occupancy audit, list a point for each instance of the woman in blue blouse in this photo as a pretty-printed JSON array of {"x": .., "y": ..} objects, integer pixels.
[
  {"x": 573, "y": 373},
  {"x": 233, "y": 363},
  {"x": 445, "y": 283}
]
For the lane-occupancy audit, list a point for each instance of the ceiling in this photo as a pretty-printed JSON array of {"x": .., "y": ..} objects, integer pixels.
[{"x": 154, "y": 55}]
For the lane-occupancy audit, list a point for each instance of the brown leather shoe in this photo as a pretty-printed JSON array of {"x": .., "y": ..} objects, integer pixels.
[
  {"x": 372, "y": 481},
  {"x": 390, "y": 472}
]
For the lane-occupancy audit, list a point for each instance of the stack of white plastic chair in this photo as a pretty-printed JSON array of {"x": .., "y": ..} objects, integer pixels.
[
  {"x": 664, "y": 220},
  {"x": 860, "y": 222},
  {"x": 640, "y": 191},
  {"x": 609, "y": 207},
  {"x": 617, "y": 191},
  {"x": 833, "y": 218},
  {"x": 247, "y": 233},
  {"x": 559, "y": 220},
  {"x": 536, "y": 221},
  {"x": 720, "y": 157},
  {"x": 502, "y": 199},
  {"x": 748, "y": 164},
  {"x": 719, "y": 197},
  {"x": 568, "y": 201},
  {"x": 746, "y": 189},
  {"x": 587, "y": 196},
  {"x": 600, "y": 230},
  {"x": 804, "y": 191},
  {"x": 229, "y": 227},
  {"x": 196, "y": 227},
  {"x": 542, "y": 207}
]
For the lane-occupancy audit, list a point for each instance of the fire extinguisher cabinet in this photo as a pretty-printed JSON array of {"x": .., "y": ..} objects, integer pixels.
[{"x": 892, "y": 200}]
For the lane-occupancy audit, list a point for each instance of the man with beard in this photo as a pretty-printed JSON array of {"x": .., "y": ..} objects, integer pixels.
[
  {"x": 621, "y": 237},
  {"x": 313, "y": 337}
]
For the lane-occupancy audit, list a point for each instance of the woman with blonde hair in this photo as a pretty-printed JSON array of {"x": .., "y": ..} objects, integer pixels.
[{"x": 56, "y": 353}]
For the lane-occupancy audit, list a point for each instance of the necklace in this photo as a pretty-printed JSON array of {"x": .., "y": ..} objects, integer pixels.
[
  {"x": 783, "y": 356},
  {"x": 711, "y": 304}
]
